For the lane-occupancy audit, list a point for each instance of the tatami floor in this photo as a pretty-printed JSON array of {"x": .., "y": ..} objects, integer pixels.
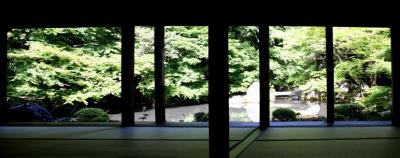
[{"x": 174, "y": 142}]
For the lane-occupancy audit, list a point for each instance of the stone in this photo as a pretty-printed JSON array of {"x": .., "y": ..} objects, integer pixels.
[
  {"x": 236, "y": 101},
  {"x": 64, "y": 119},
  {"x": 29, "y": 112},
  {"x": 252, "y": 101},
  {"x": 296, "y": 94},
  {"x": 253, "y": 93},
  {"x": 387, "y": 112}
]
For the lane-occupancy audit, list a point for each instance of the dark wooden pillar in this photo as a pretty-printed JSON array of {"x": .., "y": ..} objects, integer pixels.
[
  {"x": 218, "y": 91},
  {"x": 3, "y": 75},
  {"x": 159, "y": 74},
  {"x": 330, "y": 94},
  {"x": 395, "y": 37},
  {"x": 264, "y": 75},
  {"x": 127, "y": 82}
]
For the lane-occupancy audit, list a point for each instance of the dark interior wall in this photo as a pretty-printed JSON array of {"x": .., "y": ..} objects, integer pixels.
[{"x": 76, "y": 14}]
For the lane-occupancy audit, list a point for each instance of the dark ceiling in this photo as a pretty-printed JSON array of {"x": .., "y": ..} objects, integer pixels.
[{"x": 76, "y": 13}]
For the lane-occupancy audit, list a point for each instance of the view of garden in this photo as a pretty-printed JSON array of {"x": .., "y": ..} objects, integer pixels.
[{"x": 73, "y": 74}]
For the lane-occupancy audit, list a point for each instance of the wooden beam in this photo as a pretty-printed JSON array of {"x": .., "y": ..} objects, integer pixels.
[
  {"x": 218, "y": 91},
  {"x": 127, "y": 83}
]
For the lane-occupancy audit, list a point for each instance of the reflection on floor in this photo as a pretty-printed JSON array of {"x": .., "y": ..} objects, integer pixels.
[
  {"x": 176, "y": 142},
  {"x": 100, "y": 142}
]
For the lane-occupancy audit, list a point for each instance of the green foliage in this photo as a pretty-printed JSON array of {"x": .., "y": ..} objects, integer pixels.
[
  {"x": 377, "y": 98},
  {"x": 362, "y": 62},
  {"x": 186, "y": 56},
  {"x": 297, "y": 55},
  {"x": 75, "y": 66},
  {"x": 316, "y": 84},
  {"x": 360, "y": 43},
  {"x": 50, "y": 72},
  {"x": 340, "y": 117},
  {"x": 92, "y": 115},
  {"x": 243, "y": 60},
  {"x": 362, "y": 66},
  {"x": 144, "y": 61},
  {"x": 373, "y": 115},
  {"x": 284, "y": 114},
  {"x": 349, "y": 111}
]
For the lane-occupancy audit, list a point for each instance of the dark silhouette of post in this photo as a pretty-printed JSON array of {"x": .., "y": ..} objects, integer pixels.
[
  {"x": 3, "y": 75},
  {"x": 218, "y": 91},
  {"x": 395, "y": 43},
  {"x": 330, "y": 94},
  {"x": 159, "y": 102},
  {"x": 127, "y": 82},
  {"x": 264, "y": 75}
]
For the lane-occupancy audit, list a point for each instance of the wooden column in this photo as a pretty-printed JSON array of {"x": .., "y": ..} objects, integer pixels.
[
  {"x": 159, "y": 74},
  {"x": 264, "y": 76},
  {"x": 395, "y": 43},
  {"x": 128, "y": 94},
  {"x": 218, "y": 91},
  {"x": 3, "y": 75},
  {"x": 330, "y": 94}
]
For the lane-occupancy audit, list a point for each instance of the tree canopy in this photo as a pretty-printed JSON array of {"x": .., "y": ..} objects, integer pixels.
[{"x": 69, "y": 66}]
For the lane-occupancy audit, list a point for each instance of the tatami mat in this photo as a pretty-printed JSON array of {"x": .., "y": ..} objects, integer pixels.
[
  {"x": 367, "y": 148},
  {"x": 169, "y": 133}
]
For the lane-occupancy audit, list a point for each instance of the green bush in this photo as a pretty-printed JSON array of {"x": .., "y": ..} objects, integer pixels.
[
  {"x": 339, "y": 117},
  {"x": 377, "y": 116},
  {"x": 200, "y": 117},
  {"x": 92, "y": 115},
  {"x": 350, "y": 111},
  {"x": 284, "y": 114},
  {"x": 377, "y": 98},
  {"x": 371, "y": 115},
  {"x": 386, "y": 116}
]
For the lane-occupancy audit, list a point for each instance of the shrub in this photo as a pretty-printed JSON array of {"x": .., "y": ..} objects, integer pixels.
[
  {"x": 339, "y": 117},
  {"x": 200, "y": 117},
  {"x": 92, "y": 115},
  {"x": 377, "y": 98},
  {"x": 386, "y": 115},
  {"x": 63, "y": 111},
  {"x": 350, "y": 111},
  {"x": 284, "y": 114},
  {"x": 372, "y": 115}
]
